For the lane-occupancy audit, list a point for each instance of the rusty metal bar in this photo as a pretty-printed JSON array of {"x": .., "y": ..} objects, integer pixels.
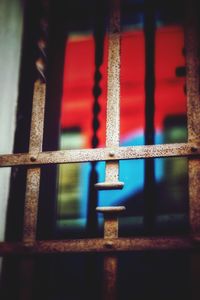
[
  {"x": 31, "y": 203},
  {"x": 37, "y": 123},
  {"x": 101, "y": 245},
  {"x": 111, "y": 225},
  {"x": 36, "y": 133},
  {"x": 110, "y": 265},
  {"x": 110, "y": 220},
  {"x": 113, "y": 100},
  {"x": 99, "y": 36},
  {"x": 193, "y": 111},
  {"x": 33, "y": 173},
  {"x": 191, "y": 149}
]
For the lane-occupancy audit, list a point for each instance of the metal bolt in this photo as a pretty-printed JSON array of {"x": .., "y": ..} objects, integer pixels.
[
  {"x": 194, "y": 149},
  {"x": 109, "y": 244},
  {"x": 33, "y": 158},
  {"x": 111, "y": 153}
]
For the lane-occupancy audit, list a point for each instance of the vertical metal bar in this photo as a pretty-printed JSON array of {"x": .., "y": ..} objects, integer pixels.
[
  {"x": 37, "y": 122},
  {"x": 110, "y": 261},
  {"x": 110, "y": 277},
  {"x": 193, "y": 119},
  {"x": 111, "y": 227},
  {"x": 35, "y": 146},
  {"x": 112, "y": 141},
  {"x": 110, "y": 220},
  {"x": 36, "y": 136},
  {"x": 33, "y": 174},
  {"x": 193, "y": 111},
  {"x": 113, "y": 100},
  {"x": 113, "y": 103},
  {"x": 149, "y": 180}
]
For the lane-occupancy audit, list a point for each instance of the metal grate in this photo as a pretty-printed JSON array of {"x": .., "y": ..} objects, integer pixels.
[{"x": 112, "y": 153}]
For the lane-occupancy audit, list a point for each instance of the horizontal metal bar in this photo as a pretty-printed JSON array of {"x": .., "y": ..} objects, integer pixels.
[
  {"x": 100, "y": 154},
  {"x": 102, "y": 245}
]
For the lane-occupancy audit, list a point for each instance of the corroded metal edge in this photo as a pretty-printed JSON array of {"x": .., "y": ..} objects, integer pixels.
[
  {"x": 102, "y": 245},
  {"x": 100, "y": 154}
]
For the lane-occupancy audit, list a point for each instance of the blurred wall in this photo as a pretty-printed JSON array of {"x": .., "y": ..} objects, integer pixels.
[{"x": 11, "y": 21}]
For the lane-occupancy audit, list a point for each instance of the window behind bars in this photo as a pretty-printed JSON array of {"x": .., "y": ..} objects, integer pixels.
[{"x": 37, "y": 170}]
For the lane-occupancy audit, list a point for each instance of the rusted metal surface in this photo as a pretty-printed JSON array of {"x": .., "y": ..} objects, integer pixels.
[
  {"x": 33, "y": 173},
  {"x": 110, "y": 263},
  {"x": 102, "y": 245},
  {"x": 193, "y": 111},
  {"x": 110, "y": 210},
  {"x": 110, "y": 220},
  {"x": 149, "y": 129},
  {"x": 194, "y": 194},
  {"x": 110, "y": 277},
  {"x": 110, "y": 227},
  {"x": 113, "y": 97},
  {"x": 36, "y": 134},
  {"x": 31, "y": 204},
  {"x": 192, "y": 76},
  {"x": 101, "y": 154},
  {"x": 112, "y": 140},
  {"x": 113, "y": 100}
]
